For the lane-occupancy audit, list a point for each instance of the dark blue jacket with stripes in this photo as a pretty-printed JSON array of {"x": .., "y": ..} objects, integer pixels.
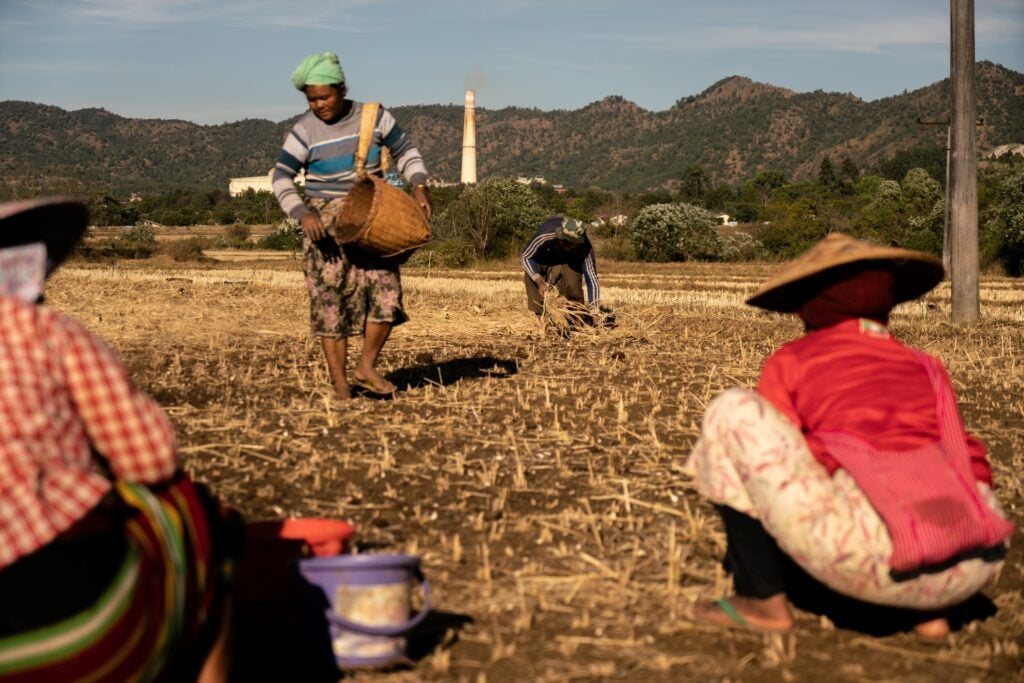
[{"x": 545, "y": 250}]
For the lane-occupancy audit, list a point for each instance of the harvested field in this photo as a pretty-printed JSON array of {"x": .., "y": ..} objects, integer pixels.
[{"x": 538, "y": 477}]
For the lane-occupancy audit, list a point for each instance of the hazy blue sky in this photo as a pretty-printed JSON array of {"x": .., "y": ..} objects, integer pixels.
[{"x": 212, "y": 61}]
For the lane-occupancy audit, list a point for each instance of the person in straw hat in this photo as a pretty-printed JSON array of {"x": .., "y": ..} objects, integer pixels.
[
  {"x": 350, "y": 292},
  {"x": 560, "y": 256},
  {"x": 850, "y": 462},
  {"x": 112, "y": 562}
]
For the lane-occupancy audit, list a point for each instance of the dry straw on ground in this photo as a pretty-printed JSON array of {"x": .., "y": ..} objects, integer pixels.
[{"x": 539, "y": 476}]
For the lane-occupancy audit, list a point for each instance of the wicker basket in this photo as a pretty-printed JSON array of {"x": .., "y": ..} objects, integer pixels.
[
  {"x": 381, "y": 219},
  {"x": 377, "y": 217}
]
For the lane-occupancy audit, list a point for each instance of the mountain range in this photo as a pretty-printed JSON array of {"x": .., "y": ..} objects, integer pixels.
[{"x": 733, "y": 129}]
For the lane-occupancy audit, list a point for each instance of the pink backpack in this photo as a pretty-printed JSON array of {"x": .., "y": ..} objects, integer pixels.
[{"x": 927, "y": 497}]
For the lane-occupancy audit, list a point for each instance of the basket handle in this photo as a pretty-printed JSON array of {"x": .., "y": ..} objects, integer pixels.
[{"x": 367, "y": 126}]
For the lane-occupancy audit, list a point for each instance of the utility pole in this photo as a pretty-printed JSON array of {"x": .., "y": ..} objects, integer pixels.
[{"x": 963, "y": 190}]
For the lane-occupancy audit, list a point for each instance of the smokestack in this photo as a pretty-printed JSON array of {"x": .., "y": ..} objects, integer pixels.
[{"x": 469, "y": 140}]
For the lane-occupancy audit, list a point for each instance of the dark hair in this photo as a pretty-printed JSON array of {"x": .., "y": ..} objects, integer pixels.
[{"x": 336, "y": 86}]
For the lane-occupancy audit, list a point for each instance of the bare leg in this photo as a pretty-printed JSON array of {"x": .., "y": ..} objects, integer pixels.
[
  {"x": 366, "y": 371},
  {"x": 933, "y": 629},
  {"x": 336, "y": 353},
  {"x": 218, "y": 661}
]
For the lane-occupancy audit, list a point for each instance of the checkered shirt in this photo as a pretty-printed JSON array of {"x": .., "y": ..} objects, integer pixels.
[{"x": 64, "y": 395}]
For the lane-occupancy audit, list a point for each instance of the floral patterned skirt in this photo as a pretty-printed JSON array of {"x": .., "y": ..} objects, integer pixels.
[
  {"x": 751, "y": 458},
  {"x": 348, "y": 289}
]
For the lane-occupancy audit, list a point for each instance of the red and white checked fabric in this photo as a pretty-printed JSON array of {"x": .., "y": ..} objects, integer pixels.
[{"x": 64, "y": 395}]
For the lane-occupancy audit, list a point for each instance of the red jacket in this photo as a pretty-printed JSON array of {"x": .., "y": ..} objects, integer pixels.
[{"x": 854, "y": 377}]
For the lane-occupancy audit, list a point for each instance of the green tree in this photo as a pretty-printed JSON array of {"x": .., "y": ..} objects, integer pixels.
[
  {"x": 761, "y": 188},
  {"x": 882, "y": 207},
  {"x": 929, "y": 157},
  {"x": 849, "y": 171},
  {"x": 695, "y": 184},
  {"x": 799, "y": 226},
  {"x": 920, "y": 191},
  {"x": 721, "y": 198},
  {"x": 106, "y": 210},
  {"x": 549, "y": 199},
  {"x": 848, "y": 175},
  {"x": 287, "y": 237},
  {"x": 1003, "y": 225},
  {"x": 258, "y": 208},
  {"x": 827, "y": 174},
  {"x": 675, "y": 232},
  {"x": 442, "y": 197},
  {"x": 493, "y": 217}
]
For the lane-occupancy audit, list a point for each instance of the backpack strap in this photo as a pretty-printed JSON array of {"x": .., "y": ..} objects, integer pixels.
[{"x": 367, "y": 126}]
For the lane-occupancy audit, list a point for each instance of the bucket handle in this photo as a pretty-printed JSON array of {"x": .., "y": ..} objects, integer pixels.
[{"x": 396, "y": 630}]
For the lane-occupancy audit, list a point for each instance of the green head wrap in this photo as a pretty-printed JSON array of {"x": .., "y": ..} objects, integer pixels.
[{"x": 322, "y": 68}]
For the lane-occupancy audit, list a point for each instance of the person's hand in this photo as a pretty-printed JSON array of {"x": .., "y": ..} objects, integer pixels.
[
  {"x": 542, "y": 286},
  {"x": 313, "y": 227},
  {"x": 423, "y": 199}
]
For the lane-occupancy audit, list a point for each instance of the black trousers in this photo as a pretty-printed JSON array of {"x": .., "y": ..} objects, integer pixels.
[{"x": 758, "y": 567}]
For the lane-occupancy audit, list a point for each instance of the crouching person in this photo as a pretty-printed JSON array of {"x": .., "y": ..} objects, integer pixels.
[
  {"x": 560, "y": 256},
  {"x": 850, "y": 459},
  {"x": 112, "y": 562}
]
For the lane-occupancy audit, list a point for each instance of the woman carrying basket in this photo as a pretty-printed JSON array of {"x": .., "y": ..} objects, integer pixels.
[
  {"x": 851, "y": 458},
  {"x": 351, "y": 292}
]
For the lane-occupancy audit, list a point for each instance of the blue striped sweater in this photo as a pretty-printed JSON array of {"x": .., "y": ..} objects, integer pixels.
[{"x": 326, "y": 151}]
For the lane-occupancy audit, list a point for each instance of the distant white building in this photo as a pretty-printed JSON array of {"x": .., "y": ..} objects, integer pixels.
[
  {"x": 258, "y": 183},
  {"x": 540, "y": 180}
]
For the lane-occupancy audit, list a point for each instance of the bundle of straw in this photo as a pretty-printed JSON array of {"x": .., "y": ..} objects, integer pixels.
[{"x": 565, "y": 316}]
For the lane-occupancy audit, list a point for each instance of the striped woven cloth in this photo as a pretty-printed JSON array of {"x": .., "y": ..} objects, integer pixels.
[
  {"x": 152, "y": 612},
  {"x": 927, "y": 497}
]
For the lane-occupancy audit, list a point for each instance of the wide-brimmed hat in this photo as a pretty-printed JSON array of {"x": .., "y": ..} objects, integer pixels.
[
  {"x": 835, "y": 258},
  {"x": 571, "y": 230},
  {"x": 58, "y": 223}
]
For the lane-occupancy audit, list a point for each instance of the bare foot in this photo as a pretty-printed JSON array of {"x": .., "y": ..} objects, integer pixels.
[
  {"x": 342, "y": 391},
  {"x": 769, "y": 614},
  {"x": 933, "y": 629}
]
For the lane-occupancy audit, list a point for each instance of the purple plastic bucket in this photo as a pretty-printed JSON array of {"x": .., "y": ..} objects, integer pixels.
[{"x": 368, "y": 598}]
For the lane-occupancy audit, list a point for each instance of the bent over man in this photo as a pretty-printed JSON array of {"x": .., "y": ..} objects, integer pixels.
[{"x": 560, "y": 255}]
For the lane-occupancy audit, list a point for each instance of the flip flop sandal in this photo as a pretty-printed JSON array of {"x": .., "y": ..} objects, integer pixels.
[
  {"x": 372, "y": 388},
  {"x": 737, "y": 619},
  {"x": 730, "y": 611}
]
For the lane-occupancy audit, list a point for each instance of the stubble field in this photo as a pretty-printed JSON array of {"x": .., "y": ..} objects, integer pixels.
[{"x": 540, "y": 478}]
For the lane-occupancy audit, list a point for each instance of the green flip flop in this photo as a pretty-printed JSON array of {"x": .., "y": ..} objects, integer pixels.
[
  {"x": 736, "y": 620},
  {"x": 730, "y": 611}
]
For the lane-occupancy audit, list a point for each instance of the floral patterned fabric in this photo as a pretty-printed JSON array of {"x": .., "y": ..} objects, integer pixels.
[
  {"x": 348, "y": 289},
  {"x": 750, "y": 457}
]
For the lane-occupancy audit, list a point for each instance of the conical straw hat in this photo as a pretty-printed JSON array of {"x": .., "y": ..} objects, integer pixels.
[
  {"x": 838, "y": 255},
  {"x": 57, "y": 222}
]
